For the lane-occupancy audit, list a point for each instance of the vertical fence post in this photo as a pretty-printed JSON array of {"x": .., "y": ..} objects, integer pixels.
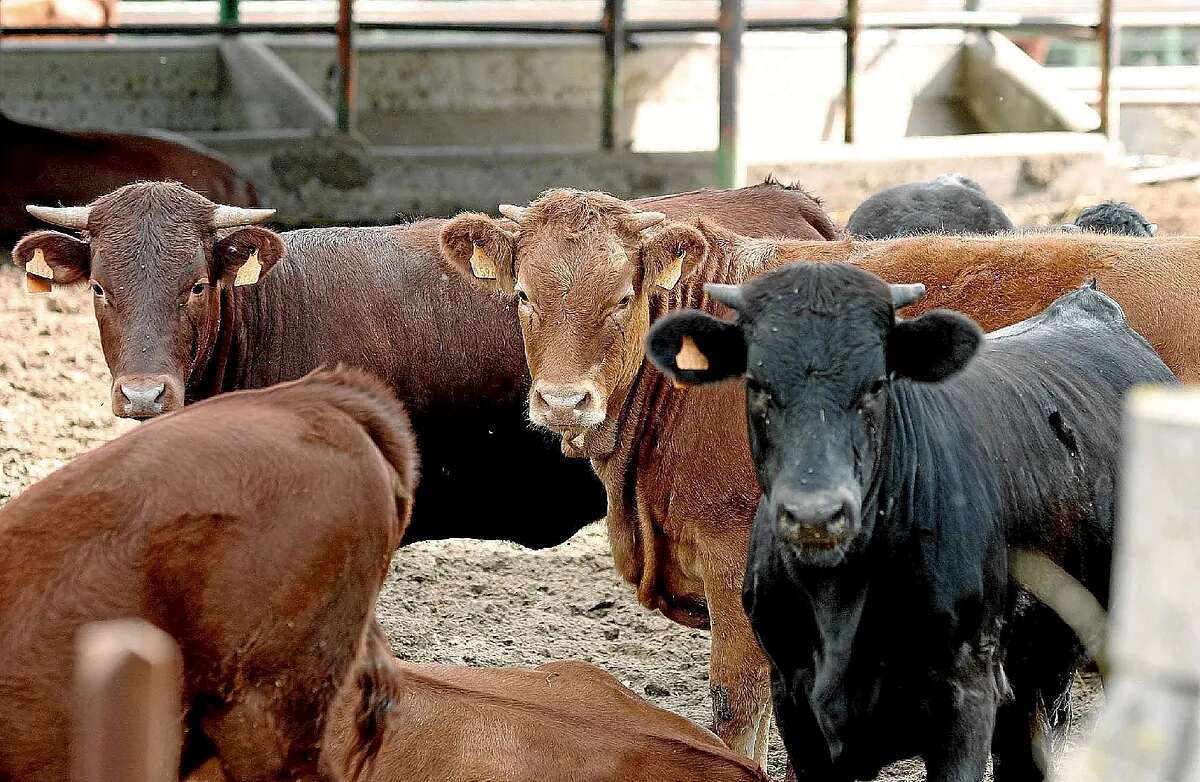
[
  {"x": 1149, "y": 726},
  {"x": 614, "y": 47},
  {"x": 345, "y": 53},
  {"x": 1108, "y": 38},
  {"x": 128, "y": 678},
  {"x": 228, "y": 13},
  {"x": 730, "y": 24},
  {"x": 852, "y": 22}
]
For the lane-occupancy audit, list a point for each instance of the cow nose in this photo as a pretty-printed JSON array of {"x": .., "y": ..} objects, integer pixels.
[
  {"x": 816, "y": 517},
  {"x": 565, "y": 400},
  {"x": 143, "y": 399}
]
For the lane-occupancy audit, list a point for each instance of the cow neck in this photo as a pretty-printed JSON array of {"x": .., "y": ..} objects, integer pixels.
[{"x": 648, "y": 410}]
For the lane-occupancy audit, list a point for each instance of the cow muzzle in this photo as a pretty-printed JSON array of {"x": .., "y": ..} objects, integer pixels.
[
  {"x": 145, "y": 396},
  {"x": 567, "y": 408},
  {"x": 824, "y": 519}
]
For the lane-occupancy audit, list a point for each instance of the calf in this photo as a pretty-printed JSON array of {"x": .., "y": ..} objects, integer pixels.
[
  {"x": 261, "y": 554},
  {"x": 590, "y": 273},
  {"x": 949, "y": 204},
  {"x": 899, "y": 461}
]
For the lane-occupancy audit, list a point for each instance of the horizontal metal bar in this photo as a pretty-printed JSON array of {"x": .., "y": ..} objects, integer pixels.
[{"x": 967, "y": 20}]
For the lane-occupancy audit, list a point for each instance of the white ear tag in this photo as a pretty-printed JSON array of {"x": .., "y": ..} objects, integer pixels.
[
  {"x": 37, "y": 265},
  {"x": 482, "y": 266},
  {"x": 690, "y": 357},
  {"x": 249, "y": 272}
]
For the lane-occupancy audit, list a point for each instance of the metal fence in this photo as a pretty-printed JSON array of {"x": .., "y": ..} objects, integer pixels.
[{"x": 614, "y": 29}]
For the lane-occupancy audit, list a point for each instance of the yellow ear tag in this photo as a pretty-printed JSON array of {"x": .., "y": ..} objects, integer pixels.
[
  {"x": 482, "y": 266},
  {"x": 249, "y": 271},
  {"x": 35, "y": 284},
  {"x": 690, "y": 357},
  {"x": 37, "y": 265},
  {"x": 669, "y": 276}
]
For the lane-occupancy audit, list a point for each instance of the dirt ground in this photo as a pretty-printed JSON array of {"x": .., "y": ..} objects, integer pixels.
[{"x": 457, "y": 601}]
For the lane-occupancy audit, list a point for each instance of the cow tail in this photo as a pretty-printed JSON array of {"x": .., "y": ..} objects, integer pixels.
[{"x": 378, "y": 691}]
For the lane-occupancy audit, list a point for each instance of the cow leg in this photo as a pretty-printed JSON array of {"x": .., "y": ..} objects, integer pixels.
[
  {"x": 739, "y": 674},
  {"x": 964, "y": 716}
]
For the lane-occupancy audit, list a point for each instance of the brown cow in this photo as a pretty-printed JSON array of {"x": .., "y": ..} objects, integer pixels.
[
  {"x": 40, "y": 165},
  {"x": 261, "y": 553},
  {"x": 176, "y": 326},
  {"x": 560, "y": 720},
  {"x": 588, "y": 284}
]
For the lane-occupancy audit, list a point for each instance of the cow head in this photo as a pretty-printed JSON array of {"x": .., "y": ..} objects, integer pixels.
[
  {"x": 159, "y": 260},
  {"x": 819, "y": 347},
  {"x": 584, "y": 268}
]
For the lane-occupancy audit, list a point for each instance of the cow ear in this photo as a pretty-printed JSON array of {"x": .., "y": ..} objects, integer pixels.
[
  {"x": 932, "y": 347},
  {"x": 50, "y": 256},
  {"x": 693, "y": 347},
  {"x": 671, "y": 254},
  {"x": 481, "y": 250},
  {"x": 247, "y": 255}
]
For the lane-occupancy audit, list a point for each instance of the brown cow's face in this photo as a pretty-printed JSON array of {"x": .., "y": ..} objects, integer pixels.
[
  {"x": 584, "y": 268},
  {"x": 158, "y": 271}
]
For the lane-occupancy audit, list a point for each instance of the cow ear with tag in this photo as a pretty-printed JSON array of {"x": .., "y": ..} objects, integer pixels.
[
  {"x": 671, "y": 254},
  {"x": 52, "y": 257},
  {"x": 246, "y": 255},
  {"x": 932, "y": 347},
  {"x": 692, "y": 348},
  {"x": 481, "y": 250}
]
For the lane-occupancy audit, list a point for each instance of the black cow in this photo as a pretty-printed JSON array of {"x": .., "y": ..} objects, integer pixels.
[
  {"x": 949, "y": 204},
  {"x": 897, "y": 470},
  {"x": 1112, "y": 217}
]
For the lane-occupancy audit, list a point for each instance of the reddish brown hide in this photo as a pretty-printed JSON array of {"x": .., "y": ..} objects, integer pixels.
[
  {"x": 557, "y": 721},
  {"x": 256, "y": 529},
  {"x": 591, "y": 272}
]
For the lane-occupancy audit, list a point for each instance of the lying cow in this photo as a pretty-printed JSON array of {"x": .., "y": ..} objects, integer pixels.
[
  {"x": 51, "y": 166},
  {"x": 193, "y": 298},
  {"x": 261, "y": 554},
  {"x": 1111, "y": 217},
  {"x": 588, "y": 285},
  {"x": 949, "y": 204},
  {"x": 899, "y": 462}
]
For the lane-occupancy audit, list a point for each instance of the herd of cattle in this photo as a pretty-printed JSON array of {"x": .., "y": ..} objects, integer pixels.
[{"x": 840, "y": 518}]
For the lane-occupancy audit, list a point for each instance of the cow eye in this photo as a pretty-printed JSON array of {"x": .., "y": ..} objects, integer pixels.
[
  {"x": 523, "y": 297},
  {"x": 680, "y": 251},
  {"x": 625, "y": 301},
  {"x": 876, "y": 386},
  {"x": 200, "y": 287},
  {"x": 97, "y": 290}
]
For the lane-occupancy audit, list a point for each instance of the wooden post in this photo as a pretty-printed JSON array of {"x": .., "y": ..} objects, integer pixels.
[
  {"x": 128, "y": 678},
  {"x": 730, "y": 24},
  {"x": 852, "y": 22},
  {"x": 614, "y": 48},
  {"x": 1149, "y": 727},
  {"x": 345, "y": 51},
  {"x": 1108, "y": 38}
]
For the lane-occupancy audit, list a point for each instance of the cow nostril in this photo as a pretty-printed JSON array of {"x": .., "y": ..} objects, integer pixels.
[
  {"x": 584, "y": 401},
  {"x": 143, "y": 397},
  {"x": 839, "y": 521},
  {"x": 786, "y": 516}
]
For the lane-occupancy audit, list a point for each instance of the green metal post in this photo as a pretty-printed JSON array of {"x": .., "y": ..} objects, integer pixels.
[{"x": 228, "y": 14}]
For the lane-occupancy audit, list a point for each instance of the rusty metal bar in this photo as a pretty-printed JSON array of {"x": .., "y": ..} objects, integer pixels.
[
  {"x": 731, "y": 23},
  {"x": 1107, "y": 36},
  {"x": 852, "y": 29},
  {"x": 345, "y": 59},
  {"x": 128, "y": 680},
  {"x": 614, "y": 47}
]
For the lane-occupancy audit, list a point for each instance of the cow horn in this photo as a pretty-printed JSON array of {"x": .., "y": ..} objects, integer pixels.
[
  {"x": 729, "y": 295},
  {"x": 65, "y": 216},
  {"x": 231, "y": 216},
  {"x": 1152, "y": 228},
  {"x": 903, "y": 295},
  {"x": 646, "y": 220},
  {"x": 514, "y": 213}
]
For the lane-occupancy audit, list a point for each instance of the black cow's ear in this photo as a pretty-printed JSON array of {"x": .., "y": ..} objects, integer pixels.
[
  {"x": 482, "y": 250},
  {"x": 246, "y": 255},
  {"x": 932, "y": 347},
  {"x": 50, "y": 256},
  {"x": 692, "y": 347}
]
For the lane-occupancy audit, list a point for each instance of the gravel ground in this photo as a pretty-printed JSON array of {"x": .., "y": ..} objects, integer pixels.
[{"x": 456, "y": 601}]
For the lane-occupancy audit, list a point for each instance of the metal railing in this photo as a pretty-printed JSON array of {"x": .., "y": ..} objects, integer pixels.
[{"x": 614, "y": 30}]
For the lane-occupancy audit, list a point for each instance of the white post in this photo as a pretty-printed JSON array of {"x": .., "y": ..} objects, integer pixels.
[
  {"x": 128, "y": 678},
  {"x": 1149, "y": 727}
]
